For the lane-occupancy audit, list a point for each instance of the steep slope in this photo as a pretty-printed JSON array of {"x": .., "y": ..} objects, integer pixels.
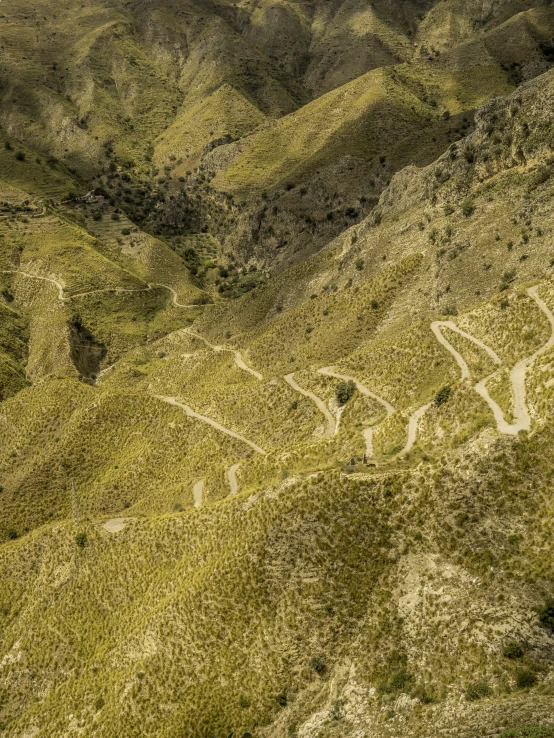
[
  {"x": 323, "y": 508},
  {"x": 12, "y": 351}
]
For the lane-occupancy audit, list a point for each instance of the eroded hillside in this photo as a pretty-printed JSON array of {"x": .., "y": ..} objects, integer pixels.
[{"x": 276, "y": 396}]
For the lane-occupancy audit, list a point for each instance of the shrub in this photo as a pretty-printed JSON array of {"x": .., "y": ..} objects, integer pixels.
[
  {"x": 525, "y": 678},
  {"x": 443, "y": 395},
  {"x": 344, "y": 391},
  {"x": 12, "y": 534},
  {"x": 468, "y": 207},
  {"x": 477, "y": 691},
  {"x": 20, "y": 156},
  {"x": 546, "y": 614},
  {"x": 400, "y": 680},
  {"x": 512, "y": 650},
  {"x": 359, "y": 264},
  {"x": 81, "y": 539},
  {"x": 541, "y": 176},
  {"x": 374, "y": 305},
  {"x": 8, "y": 146},
  {"x": 126, "y": 231},
  {"x": 448, "y": 209},
  {"x": 317, "y": 663}
]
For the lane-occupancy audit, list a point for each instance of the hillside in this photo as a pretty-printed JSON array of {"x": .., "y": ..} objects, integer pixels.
[{"x": 276, "y": 369}]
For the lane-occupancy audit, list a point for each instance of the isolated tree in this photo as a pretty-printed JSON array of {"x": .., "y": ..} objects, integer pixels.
[{"x": 344, "y": 391}]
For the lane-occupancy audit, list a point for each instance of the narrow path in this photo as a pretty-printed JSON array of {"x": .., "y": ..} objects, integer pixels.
[
  {"x": 522, "y": 417},
  {"x": 115, "y": 290},
  {"x": 192, "y": 414},
  {"x": 198, "y": 492},
  {"x": 43, "y": 279},
  {"x": 331, "y": 422},
  {"x": 232, "y": 477},
  {"x": 413, "y": 425},
  {"x": 239, "y": 361},
  {"x": 368, "y": 432},
  {"x": 151, "y": 285}
]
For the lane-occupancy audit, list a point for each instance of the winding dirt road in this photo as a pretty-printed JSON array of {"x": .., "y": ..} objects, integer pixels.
[
  {"x": 522, "y": 417},
  {"x": 413, "y": 425},
  {"x": 115, "y": 290},
  {"x": 331, "y": 422},
  {"x": 239, "y": 361},
  {"x": 192, "y": 414},
  {"x": 43, "y": 279},
  {"x": 436, "y": 328},
  {"x": 328, "y": 371}
]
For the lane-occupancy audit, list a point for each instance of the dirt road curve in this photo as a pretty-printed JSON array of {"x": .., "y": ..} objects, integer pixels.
[{"x": 192, "y": 414}]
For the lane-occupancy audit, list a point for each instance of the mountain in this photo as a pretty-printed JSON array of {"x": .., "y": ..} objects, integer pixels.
[{"x": 276, "y": 369}]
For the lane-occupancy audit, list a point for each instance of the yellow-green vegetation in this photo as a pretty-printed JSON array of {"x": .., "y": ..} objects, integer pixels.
[
  {"x": 13, "y": 350},
  {"x": 276, "y": 369}
]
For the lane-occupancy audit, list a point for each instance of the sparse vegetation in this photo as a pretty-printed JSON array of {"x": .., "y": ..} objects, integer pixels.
[{"x": 189, "y": 544}]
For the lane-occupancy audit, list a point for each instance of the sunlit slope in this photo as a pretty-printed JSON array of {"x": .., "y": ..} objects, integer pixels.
[
  {"x": 13, "y": 349},
  {"x": 226, "y": 114},
  {"x": 379, "y": 112},
  {"x": 271, "y": 610}
]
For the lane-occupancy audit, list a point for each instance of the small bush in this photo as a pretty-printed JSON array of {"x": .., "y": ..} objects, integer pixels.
[
  {"x": 125, "y": 231},
  {"x": 81, "y": 539},
  {"x": 541, "y": 176},
  {"x": 525, "y": 678},
  {"x": 12, "y": 534},
  {"x": 359, "y": 264},
  {"x": 477, "y": 691},
  {"x": 344, "y": 391},
  {"x": 546, "y": 614},
  {"x": 20, "y": 156},
  {"x": 512, "y": 650},
  {"x": 443, "y": 395},
  {"x": 468, "y": 207},
  {"x": 400, "y": 680},
  {"x": 317, "y": 663}
]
